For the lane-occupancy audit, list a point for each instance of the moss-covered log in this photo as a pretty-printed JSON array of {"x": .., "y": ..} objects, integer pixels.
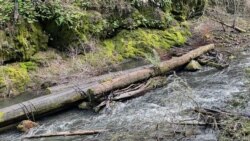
[{"x": 49, "y": 103}]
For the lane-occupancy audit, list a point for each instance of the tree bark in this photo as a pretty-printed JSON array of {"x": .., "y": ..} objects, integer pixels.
[
  {"x": 147, "y": 72},
  {"x": 55, "y": 101}
]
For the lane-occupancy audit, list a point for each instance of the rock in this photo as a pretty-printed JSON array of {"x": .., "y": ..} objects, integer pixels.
[
  {"x": 84, "y": 106},
  {"x": 231, "y": 57},
  {"x": 26, "y": 125},
  {"x": 193, "y": 66},
  {"x": 247, "y": 70},
  {"x": 47, "y": 84}
]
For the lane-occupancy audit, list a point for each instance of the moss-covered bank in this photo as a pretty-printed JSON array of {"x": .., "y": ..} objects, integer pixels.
[
  {"x": 114, "y": 29},
  {"x": 23, "y": 43},
  {"x": 86, "y": 21},
  {"x": 77, "y": 23},
  {"x": 138, "y": 42},
  {"x": 13, "y": 80}
]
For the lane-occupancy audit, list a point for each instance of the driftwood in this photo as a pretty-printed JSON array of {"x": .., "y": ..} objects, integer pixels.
[
  {"x": 140, "y": 89},
  {"x": 212, "y": 64},
  {"x": 231, "y": 125},
  {"x": 219, "y": 113},
  {"x": 132, "y": 93},
  {"x": 134, "y": 90},
  {"x": 66, "y": 133},
  {"x": 230, "y": 26},
  {"x": 61, "y": 99},
  {"x": 192, "y": 123}
]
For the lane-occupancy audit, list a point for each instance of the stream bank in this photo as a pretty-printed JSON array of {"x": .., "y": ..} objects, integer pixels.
[
  {"x": 149, "y": 117},
  {"x": 51, "y": 42}
]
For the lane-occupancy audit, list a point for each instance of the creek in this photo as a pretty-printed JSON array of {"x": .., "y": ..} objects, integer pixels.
[{"x": 150, "y": 116}]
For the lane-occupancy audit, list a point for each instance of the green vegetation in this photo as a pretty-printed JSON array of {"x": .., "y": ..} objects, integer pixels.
[
  {"x": 1, "y": 116},
  {"x": 134, "y": 43},
  {"x": 184, "y": 9},
  {"x": 29, "y": 66},
  {"x": 27, "y": 40},
  {"x": 77, "y": 23},
  {"x": 13, "y": 80},
  {"x": 108, "y": 30},
  {"x": 237, "y": 128}
]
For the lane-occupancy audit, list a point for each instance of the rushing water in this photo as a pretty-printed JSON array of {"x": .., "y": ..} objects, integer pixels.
[{"x": 148, "y": 117}]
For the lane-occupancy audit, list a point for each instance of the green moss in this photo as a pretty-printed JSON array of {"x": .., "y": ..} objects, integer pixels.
[
  {"x": 43, "y": 58},
  {"x": 13, "y": 80},
  {"x": 29, "y": 66},
  {"x": 246, "y": 128},
  {"x": 138, "y": 42},
  {"x": 30, "y": 39},
  {"x": 83, "y": 26},
  {"x": 27, "y": 40},
  {"x": 242, "y": 132},
  {"x": 185, "y": 9},
  {"x": 247, "y": 70},
  {"x": 74, "y": 24},
  {"x": 152, "y": 17},
  {"x": 1, "y": 116},
  {"x": 90, "y": 92},
  {"x": 100, "y": 19}
]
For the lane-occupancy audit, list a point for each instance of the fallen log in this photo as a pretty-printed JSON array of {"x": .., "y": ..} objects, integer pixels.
[
  {"x": 230, "y": 26},
  {"x": 50, "y": 103},
  {"x": 147, "y": 72},
  {"x": 66, "y": 133}
]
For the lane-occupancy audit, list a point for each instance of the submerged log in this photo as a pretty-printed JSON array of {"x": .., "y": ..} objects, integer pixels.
[{"x": 50, "y": 103}]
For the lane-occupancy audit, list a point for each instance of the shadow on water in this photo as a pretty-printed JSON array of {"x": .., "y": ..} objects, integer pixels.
[{"x": 151, "y": 116}]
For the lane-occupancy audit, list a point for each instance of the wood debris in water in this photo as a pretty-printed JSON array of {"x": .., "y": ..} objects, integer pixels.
[
  {"x": 231, "y": 125},
  {"x": 66, "y": 133}
]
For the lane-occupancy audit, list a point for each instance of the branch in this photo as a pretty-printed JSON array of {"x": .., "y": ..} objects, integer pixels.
[
  {"x": 230, "y": 26},
  {"x": 67, "y": 133}
]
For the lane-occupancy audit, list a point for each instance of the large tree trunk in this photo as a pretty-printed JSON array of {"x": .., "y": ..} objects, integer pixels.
[
  {"x": 69, "y": 95},
  {"x": 147, "y": 72}
]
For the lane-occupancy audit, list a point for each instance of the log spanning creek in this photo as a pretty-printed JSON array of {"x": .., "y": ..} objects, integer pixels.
[{"x": 158, "y": 114}]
